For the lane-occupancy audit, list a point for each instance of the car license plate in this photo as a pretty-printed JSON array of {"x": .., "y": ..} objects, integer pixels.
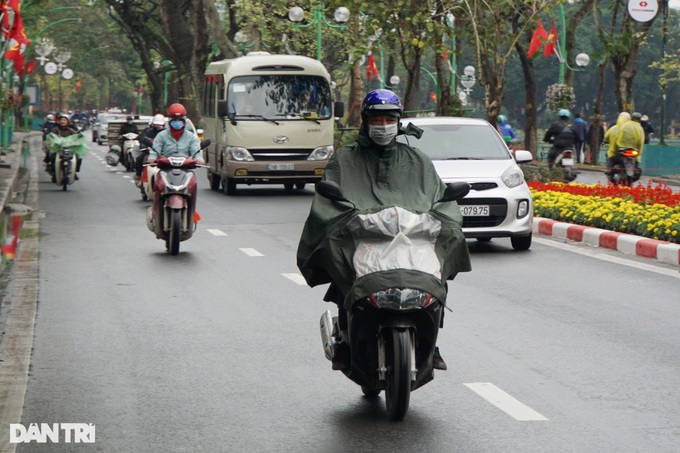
[
  {"x": 475, "y": 210},
  {"x": 280, "y": 167},
  {"x": 568, "y": 161}
]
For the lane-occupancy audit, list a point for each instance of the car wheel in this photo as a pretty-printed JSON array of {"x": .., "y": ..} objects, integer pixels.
[{"x": 521, "y": 242}]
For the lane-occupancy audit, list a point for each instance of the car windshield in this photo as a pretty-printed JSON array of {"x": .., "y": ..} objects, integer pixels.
[
  {"x": 258, "y": 98},
  {"x": 459, "y": 141}
]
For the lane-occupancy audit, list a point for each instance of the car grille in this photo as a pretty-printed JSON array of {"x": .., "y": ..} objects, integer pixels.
[
  {"x": 498, "y": 211},
  {"x": 280, "y": 154},
  {"x": 483, "y": 185}
]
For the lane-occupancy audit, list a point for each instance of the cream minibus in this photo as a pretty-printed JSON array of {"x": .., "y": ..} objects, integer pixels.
[{"x": 270, "y": 119}]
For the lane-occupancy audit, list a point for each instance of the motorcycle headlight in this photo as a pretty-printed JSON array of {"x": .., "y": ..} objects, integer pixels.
[
  {"x": 321, "y": 153},
  {"x": 512, "y": 177},
  {"x": 239, "y": 154},
  {"x": 401, "y": 299}
]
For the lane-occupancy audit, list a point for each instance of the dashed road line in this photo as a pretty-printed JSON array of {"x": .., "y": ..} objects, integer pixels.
[
  {"x": 505, "y": 402},
  {"x": 215, "y": 232},
  {"x": 296, "y": 278},
  {"x": 251, "y": 252}
]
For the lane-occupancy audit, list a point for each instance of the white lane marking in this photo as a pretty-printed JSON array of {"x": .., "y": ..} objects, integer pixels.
[
  {"x": 505, "y": 402},
  {"x": 217, "y": 232},
  {"x": 127, "y": 176},
  {"x": 611, "y": 258},
  {"x": 297, "y": 278},
  {"x": 251, "y": 252}
]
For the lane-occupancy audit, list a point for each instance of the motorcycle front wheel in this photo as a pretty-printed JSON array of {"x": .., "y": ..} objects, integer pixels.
[
  {"x": 398, "y": 385},
  {"x": 174, "y": 233}
]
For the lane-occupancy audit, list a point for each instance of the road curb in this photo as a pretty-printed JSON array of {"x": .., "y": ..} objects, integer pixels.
[{"x": 663, "y": 251}]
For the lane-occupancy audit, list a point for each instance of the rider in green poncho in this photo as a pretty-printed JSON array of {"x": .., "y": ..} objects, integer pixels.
[
  {"x": 64, "y": 136},
  {"x": 377, "y": 172}
]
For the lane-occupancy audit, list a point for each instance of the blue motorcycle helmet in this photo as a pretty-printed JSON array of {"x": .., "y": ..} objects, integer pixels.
[
  {"x": 381, "y": 102},
  {"x": 564, "y": 113}
]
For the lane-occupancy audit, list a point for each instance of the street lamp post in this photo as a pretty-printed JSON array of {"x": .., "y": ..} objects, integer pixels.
[{"x": 297, "y": 14}]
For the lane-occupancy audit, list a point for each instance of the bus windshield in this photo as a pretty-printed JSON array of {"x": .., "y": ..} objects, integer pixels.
[{"x": 278, "y": 97}]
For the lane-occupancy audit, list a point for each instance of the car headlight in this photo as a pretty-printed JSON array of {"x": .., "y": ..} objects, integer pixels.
[
  {"x": 321, "y": 153},
  {"x": 401, "y": 299},
  {"x": 513, "y": 177},
  {"x": 239, "y": 154}
]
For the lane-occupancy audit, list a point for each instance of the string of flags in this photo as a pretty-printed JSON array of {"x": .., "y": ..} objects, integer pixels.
[
  {"x": 14, "y": 37},
  {"x": 541, "y": 37}
]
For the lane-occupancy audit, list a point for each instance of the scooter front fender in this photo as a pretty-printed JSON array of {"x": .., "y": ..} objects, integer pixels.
[{"x": 175, "y": 202}]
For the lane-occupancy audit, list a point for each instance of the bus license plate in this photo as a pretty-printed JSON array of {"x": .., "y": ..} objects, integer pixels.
[
  {"x": 280, "y": 167},
  {"x": 475, "y": 210}
]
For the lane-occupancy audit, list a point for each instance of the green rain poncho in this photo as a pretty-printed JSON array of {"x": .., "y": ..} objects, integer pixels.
[
  {"x": 373, "y": 178},
  {"x": 75, "y": 143}
]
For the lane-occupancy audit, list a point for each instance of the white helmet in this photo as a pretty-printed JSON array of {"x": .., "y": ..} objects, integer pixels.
[
  {"x": 626, "y": 115},
  {"x": 158, "y": 119},
  {"x": 50, "y": 117}
]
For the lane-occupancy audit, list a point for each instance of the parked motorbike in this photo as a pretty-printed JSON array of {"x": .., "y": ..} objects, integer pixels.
[
  {"x": 392, "y": 333},
  {"x": 625, "y": 169},
  {"x": 172, "y": 216},
  {"x": 565, "y": 160},
  {"x": 131, "y": 150}
]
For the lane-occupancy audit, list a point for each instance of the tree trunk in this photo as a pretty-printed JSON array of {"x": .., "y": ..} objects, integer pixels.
[{"x": 531, "y": 117}]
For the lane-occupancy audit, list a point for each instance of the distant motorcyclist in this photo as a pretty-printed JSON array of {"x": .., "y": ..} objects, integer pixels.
[
  {"x": 627, "y": 133},
  {"x": 129, "y": 126},
  {"x": 47, "y": 127},
  {"x": 176, "y": 138},
  {"x": 562, "y": 135},
  {"x": 376, "y": 171},
  {"x": 151, "y": 132},
  {"x": 62, "y": 129}
]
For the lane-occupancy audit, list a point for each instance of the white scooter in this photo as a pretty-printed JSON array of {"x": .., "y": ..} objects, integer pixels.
[
  {"x": 565, "y": 159},
  {"x": 130, "y": 150}
]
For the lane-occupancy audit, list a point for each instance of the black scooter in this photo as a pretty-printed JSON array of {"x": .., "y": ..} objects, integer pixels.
[{"x": 392, "y": 332}]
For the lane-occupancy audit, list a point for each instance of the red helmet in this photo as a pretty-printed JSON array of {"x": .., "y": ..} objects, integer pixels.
[{"x": 177, "y": 110}]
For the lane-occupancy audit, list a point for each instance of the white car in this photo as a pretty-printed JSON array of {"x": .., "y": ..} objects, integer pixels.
[{"x": 472, "y": 150}]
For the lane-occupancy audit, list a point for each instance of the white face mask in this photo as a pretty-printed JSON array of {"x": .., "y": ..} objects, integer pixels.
[{"x": 383, "y": 135}]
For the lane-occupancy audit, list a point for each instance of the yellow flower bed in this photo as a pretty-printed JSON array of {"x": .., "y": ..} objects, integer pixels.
[{"x": 655, "y": 221}]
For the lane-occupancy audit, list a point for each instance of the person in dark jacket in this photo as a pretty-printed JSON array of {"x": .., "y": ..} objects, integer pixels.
[
  {"x": 562, "y": 135},
  {"x": 647, "y": 127},
  {"x": 48, "y": 125},
  {"x": 129, "y": 126},
  {"x": 154, "y": 129},
  {"x": 582, "y": 129}
]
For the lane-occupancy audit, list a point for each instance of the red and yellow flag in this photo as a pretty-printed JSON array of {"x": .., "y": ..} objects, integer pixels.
[
  {"x": 549, "y": 48},
  {"x": 372, "y": 68},
  {"x": 537, "y": 39}
]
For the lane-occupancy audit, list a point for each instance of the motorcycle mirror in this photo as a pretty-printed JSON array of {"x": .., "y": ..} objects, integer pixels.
[
  {"x": 146, "y": 141},
  {"x": 205, "y": 143},
  {"x": 455, "y": 191},
  {"x": 331, "y": 190},
  {"x": 411, "y": 130}
]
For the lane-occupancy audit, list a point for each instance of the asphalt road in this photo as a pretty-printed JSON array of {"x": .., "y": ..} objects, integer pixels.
[{"x": 562, "y": 348}]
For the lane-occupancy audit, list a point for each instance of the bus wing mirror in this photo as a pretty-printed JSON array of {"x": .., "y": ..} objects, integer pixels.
[
  {"x": 222, "y": 109},
  {"x": 339, "y": 108}
]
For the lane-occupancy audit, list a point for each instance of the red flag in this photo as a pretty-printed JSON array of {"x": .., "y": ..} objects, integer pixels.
[
  {"x": 14, "y": 4},
  {"x": 549, "y": 48},
  {"x": 79, "y": 84},
  {"x": 30, "y": 67},
  {"x": 5, "y": 18},
  {"x": 18, "y": 31},
  {"x": 537, "y": 39},
  {"x": 371, "y": 68},
  {"x": 13, "y": 52},
  {"x": 19, "y": 65}
]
